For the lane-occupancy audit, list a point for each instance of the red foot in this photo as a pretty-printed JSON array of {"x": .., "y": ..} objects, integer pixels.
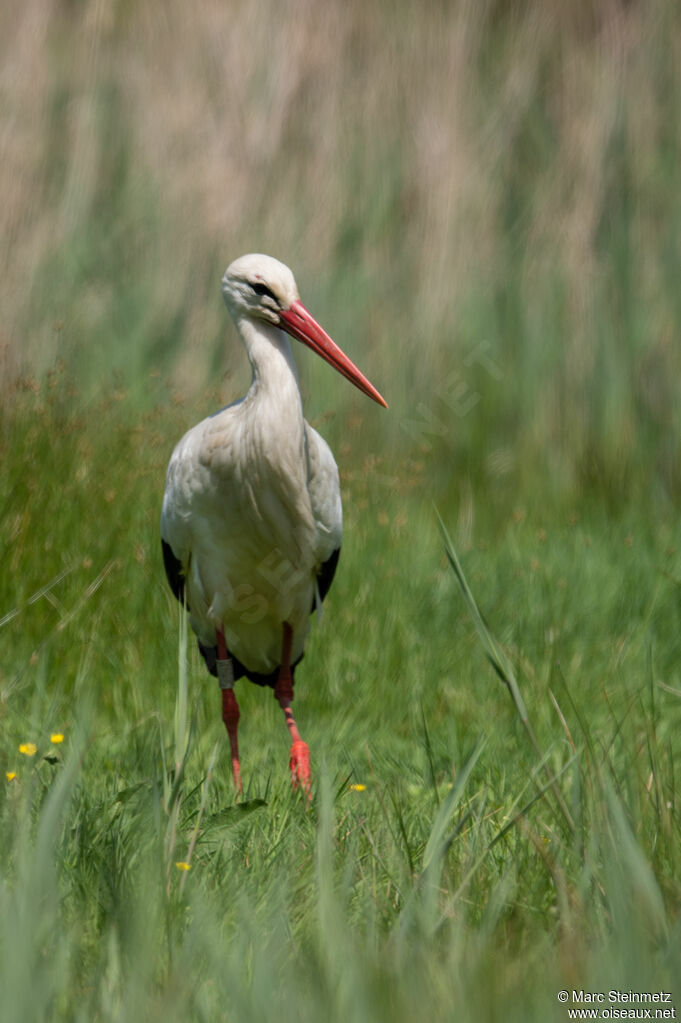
[{"x": 299, "y": 763}]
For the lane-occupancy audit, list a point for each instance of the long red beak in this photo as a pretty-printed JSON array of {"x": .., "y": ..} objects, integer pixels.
[{"x": 297, "y": 322}]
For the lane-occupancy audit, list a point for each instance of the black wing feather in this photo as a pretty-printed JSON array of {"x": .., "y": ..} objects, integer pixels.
[
  {"x": 174, "y": 572},
  {"x": 326, "y": 573}
]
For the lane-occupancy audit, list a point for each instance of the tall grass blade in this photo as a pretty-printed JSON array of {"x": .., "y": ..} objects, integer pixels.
[
  {"x": 181, "y": 716},
  {"x": 499, "y": 662},
  {"x": 437, "y": 844},
  {"x": 495, "y": 654}
]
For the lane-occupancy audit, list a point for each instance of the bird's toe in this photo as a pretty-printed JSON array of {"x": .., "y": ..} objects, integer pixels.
[{"x": 299, "y": 764}]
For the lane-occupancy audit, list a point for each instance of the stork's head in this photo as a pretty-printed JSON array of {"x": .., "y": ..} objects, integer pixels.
[{"x": 261, "y": 288}]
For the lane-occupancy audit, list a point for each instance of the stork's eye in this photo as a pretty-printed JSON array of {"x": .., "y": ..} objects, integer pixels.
[{"x": 262, "y": 289}]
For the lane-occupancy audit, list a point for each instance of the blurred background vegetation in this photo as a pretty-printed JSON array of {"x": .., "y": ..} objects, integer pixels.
[{"x": 479, "y": 200}]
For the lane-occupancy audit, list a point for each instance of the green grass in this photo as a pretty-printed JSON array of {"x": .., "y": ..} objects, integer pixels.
[{"x": 453, "y": 884}]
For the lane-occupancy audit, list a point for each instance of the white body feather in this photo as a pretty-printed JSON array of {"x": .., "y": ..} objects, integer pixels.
[{"x": 252, "y": 509}]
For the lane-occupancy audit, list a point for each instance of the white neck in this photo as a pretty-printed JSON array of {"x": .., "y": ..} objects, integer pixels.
[{"x": 275, "y": 377}]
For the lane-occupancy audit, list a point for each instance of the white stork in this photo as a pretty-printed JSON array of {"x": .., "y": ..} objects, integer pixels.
[{"x": 252, "y": 521}]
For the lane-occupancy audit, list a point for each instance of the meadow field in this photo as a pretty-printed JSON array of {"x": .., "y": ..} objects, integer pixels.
[{"x": 481, "y": 204}]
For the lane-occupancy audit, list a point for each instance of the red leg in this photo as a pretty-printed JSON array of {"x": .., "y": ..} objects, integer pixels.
[
  {"x": 299, "y": 760},
  {"x": 230, "y": 708}
]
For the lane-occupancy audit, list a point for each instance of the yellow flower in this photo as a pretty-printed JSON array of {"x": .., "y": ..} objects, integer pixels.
[
  {"x": 10, "y": 775},
  {"x": 56, "y": 738},
  {"x": 357, "y": 788},
  {"x": 29, "y": 749},
  {"x": 183, "y": 866}
]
